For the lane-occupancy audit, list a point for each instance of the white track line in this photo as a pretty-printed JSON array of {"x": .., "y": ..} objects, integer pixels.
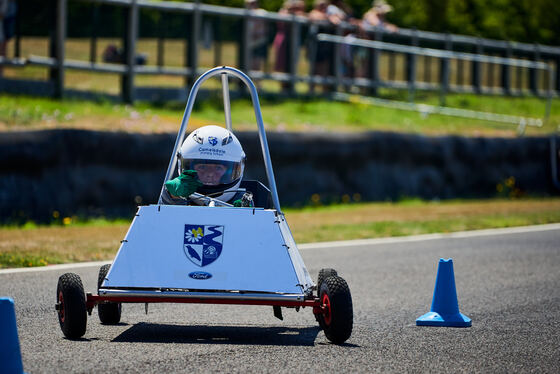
[
  {"x": 345, "y": 243},
  {"x": 55, "y": 267},
  {"x": 424, "y": 237}
]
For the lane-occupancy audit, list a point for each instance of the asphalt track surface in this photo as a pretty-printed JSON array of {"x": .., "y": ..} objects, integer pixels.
[{"x": 508, "y": 283}]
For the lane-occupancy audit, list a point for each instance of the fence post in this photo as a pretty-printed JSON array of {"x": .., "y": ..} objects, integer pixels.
[
  {"x": 17, "y": 42},
  {"x": 534, "y": 73},
  {"x": 217, "y": 42},
  {"x": 519, "y": 79},
  {"x": 392, "y": 64},
  {"x": 411, "y": 66},
  {"x": 312, "y": 32},
  {"x": 57, "y": 73},
  {"x": 52, "y": 17},
  {"x": 490, "y": 76},
  {"x": 460, "y": 72},
  {"x": 127, "y": 80},
  {"x": 506, "y": 71},
  {"x": 295, "y": 32},
  {"x": 246, "y": 51},
  {"x": 243, "y": 51},
  {"x": 556, "y": 72},
  {"x": 550, "y": 88},
  {"x": 427, "y": 69},
  {"x": 192, "y": 48},
  {"x": 162, "y": 31},
  {"x": 94, "y": 22},
  {"x": 460, "y": 79},
  {"x": 444, "y": 71},
  {"x": 476, "y": 75},
  {"x": 338, "y": 59},
  {"x": 374, "y": 64}
]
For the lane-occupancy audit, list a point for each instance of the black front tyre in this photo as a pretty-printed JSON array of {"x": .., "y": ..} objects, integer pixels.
[
  {"x": 109, "y": 313},
  {"x": 338, "y": 317},
  {"x": 71, "y": 306}
]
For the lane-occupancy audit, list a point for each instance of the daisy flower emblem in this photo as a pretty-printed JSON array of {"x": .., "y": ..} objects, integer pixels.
[{"x": 194, "y": 235}]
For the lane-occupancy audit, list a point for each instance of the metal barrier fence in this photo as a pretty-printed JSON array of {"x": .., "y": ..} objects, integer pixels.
[
  {"x": 299, "y": 29},
  {"x": 412, "y": 83}
]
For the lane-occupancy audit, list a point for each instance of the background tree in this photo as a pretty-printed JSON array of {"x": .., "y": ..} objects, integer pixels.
[{"x": 532, "y": 21}]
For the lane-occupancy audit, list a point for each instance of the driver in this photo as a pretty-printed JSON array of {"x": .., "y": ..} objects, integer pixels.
[{"x": 211, "y": 162}]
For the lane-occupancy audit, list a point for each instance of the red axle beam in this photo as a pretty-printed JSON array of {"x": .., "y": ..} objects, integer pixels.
[{"x": 92, "y": 300}]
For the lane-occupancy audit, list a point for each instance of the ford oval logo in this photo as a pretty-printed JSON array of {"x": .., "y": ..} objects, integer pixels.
[{"x": 200, "y": 275}]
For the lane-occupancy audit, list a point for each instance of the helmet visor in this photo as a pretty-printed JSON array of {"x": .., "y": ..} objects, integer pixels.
[{"x": 214, "y": 172}]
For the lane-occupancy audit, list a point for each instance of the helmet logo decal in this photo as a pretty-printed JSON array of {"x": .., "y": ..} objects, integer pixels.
[
  {"x": 202, "y": 244},
  {"x": 226, "y": 141},
  {"x": 211, "y": 152},
  {"x": 213, "y": 140},
  {"x": 197, "y": 138}
]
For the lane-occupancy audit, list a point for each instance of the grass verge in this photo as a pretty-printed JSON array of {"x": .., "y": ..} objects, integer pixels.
[
  {"x": 30, "y": 113},
  {"x": 99, "y": 240}
]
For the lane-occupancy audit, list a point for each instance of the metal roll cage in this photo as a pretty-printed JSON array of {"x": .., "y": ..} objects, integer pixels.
[{"x": 226, "y": 71}]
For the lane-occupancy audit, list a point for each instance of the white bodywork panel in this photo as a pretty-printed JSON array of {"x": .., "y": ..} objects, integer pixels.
[{"x": 257, "y": 254}]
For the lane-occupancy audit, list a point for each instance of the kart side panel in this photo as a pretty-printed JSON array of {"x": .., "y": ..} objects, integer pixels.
[
  {"x": 297, "y": 260},
  {"x": 253, "y": 254}
]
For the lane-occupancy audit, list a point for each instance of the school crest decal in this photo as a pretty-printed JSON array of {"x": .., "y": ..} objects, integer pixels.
[
  {"x": 212, "y": 140},
  {"x": 202, "y": 244}
]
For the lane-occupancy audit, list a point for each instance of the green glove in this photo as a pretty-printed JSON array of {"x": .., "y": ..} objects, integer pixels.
[
  {"x": 184, "y": 185},
  {"x": 245, "y": 201}
]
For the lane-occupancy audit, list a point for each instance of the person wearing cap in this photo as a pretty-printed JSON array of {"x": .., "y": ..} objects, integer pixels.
[
  {"x": 338, "y": 11},
  {"x": 375, "y": 17}
]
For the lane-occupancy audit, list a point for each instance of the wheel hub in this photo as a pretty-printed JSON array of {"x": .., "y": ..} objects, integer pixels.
[
  {"x": 60, "y": 307},
  {"x": 327, "y": 316}
]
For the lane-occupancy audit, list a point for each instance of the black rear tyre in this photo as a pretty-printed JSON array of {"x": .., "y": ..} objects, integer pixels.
[
  {"x": 71, "y": 306},
  {"x": 338, "y": 316},
  {"x": 109, "y": 313},
  {"x": 324, "y": 274}
]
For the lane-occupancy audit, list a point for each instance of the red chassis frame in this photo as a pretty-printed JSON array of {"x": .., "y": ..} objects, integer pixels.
[{"x": 315, "y": 303}]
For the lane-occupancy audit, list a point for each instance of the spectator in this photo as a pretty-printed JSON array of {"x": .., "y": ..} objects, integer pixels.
[
  {"x": 375, "y": 17},
  {"x": 280, "y": 43},
  {"x": 258, "y": 39},
  {"x": 298, "y": 8},
  {"x": 338, "y": 11},
  {"x": 281, "y": 40},
  {"x": 321, "y": 57},
  {"x": 115, "y": 55},
  {"x": 319, "y": 11}
]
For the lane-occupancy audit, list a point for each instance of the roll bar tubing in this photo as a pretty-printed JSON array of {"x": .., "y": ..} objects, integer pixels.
[{"x": 226, "y": 70}]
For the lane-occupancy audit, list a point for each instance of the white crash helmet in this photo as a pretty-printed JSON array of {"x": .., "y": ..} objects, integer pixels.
[{"x": 214, "y": 145}]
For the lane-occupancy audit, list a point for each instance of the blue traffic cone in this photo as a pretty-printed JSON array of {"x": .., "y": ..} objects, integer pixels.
[
  {"x": 445, "y": 308},
  {"x": 10, "y": 354}
]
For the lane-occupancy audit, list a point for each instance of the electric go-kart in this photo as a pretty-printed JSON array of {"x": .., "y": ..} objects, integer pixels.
[{"x": 244, "y": 255}]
